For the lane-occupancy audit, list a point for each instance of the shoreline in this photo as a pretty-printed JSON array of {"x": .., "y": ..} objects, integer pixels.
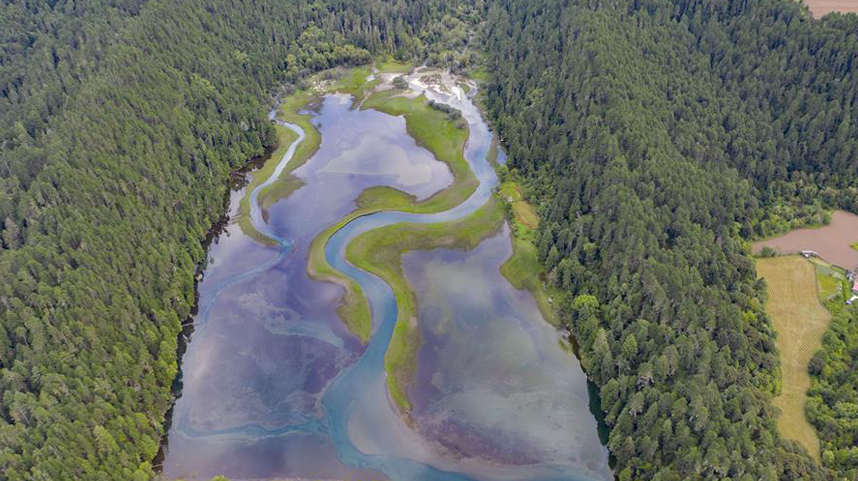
[
  {"x": 421, "y": 124},
  {"x": 464, "y": 231},
  {"x": 354, "y": 309},
  {"x": 236, "y": 180}
]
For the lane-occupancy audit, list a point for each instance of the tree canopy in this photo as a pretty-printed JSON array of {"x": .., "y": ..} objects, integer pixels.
[
  {"x": 120, "y": 121},
  {"x": 657, "y": 137}
]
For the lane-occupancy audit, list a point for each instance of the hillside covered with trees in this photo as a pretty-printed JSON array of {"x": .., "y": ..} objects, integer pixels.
[
  {"x": 833, "y": 397},
  {"x": 657, "y": 137},
  {"x": 119, "y": 124}
]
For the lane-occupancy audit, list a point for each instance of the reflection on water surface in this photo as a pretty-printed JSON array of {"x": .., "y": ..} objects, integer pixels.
[{"x": 275, "y": 386}]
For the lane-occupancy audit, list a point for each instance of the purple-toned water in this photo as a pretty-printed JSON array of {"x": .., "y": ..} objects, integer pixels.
[
  {"x": 274, "y": 385},
  {"x": 493, "y": 381}
]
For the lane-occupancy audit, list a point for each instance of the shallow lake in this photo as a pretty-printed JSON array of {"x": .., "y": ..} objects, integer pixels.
[
  {"x": 274, "y": 385},
  {"x": 494, "y": 381}
]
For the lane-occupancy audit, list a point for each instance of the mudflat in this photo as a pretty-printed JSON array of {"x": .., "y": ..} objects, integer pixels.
[{"x": 833, "y": 242}]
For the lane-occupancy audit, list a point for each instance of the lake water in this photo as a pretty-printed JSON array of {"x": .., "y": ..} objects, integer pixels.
[
  {"x": 493, "y": 381},
  {"x": 274, "y": 385}
]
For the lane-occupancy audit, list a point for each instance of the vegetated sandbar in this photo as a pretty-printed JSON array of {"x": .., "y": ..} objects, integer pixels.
[
  {"x": 445, "y": 138},
  {"x": 287, "y": 182},
  {"x": 353, "y": 82},
  {"x": 800, "y": 321},
  {"x": 832, "y": 241},
  {"x": 380, "y": 252}
]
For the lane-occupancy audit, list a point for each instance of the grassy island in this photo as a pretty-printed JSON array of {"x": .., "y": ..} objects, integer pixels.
[
  {"x": 288, "y": 183},
  {"x": 380, "y": 252},
  {"x": 446, "y": 140}
]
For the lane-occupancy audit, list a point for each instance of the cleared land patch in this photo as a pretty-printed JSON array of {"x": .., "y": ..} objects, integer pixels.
[
  {"x": 800, "y": 321},
  {"x": 524, "y": 213}
]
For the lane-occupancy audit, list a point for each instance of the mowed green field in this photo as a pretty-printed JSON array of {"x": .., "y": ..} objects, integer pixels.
[{"x": 800, "y": 321}]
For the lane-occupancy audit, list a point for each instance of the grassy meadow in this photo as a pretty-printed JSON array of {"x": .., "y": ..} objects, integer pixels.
[
  {"x": 800, "y": 320},
  {"x": 431, "y": 129},
  {"x": 833, "y": 287},
  {"x": 523, "y": 269}
]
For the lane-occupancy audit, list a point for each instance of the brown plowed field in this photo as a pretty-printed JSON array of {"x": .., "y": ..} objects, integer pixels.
[
  {"x": 821, "y": 7},
  {"x": 833, "y": 242}
]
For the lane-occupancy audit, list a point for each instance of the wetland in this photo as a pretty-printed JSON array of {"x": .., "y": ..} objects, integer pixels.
[{"x": 359, "y": 326}]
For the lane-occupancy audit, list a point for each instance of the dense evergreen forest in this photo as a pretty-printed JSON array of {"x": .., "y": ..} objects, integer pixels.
[
  {"x": 833, "y": 398},
  {"x": 657, "y": 136},
  {"x": 119, "y": 123}
]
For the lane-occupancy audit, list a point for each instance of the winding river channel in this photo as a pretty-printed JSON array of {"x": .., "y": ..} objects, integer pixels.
[{"x": 274, "y": 386}]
